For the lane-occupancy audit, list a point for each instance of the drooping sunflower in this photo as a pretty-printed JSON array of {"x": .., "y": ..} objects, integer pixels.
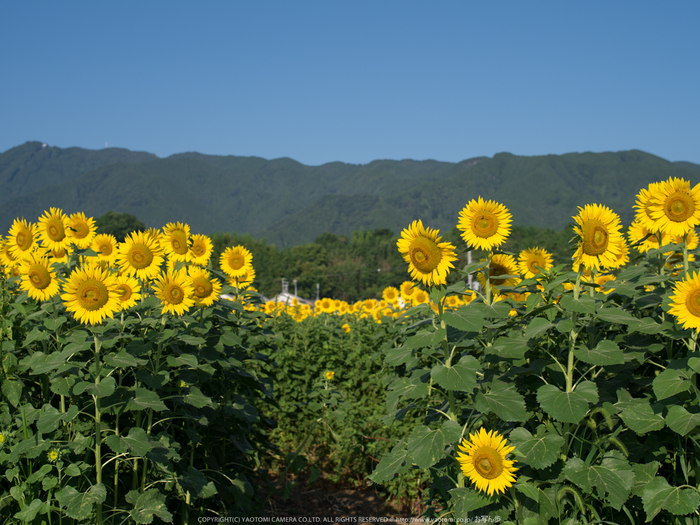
[
  {"x": 599, "y": 238},
  {"x": 482, "y": 459},
  {"x": 235, "y": 261},
  {"x": 176, "y": 241},
  {"x": 685, "y": 301},
  {"x": 128, "y": 291},
  {"x": 106, "y": 247},
  {"x": 200, "y": 251},
  {"x": 22, "y": 238},
  {"x": 38, "y": 277},
  {"x": 206, "y": 290},
  {"x": 140, "y": 255},
  {"x": 429, "y": 260},
  {"x": 57, "y": 256},
  {"x": 83, "y": 230},
  {"x": 91, "y": 294},
  {"x": 500, "y": 265},
  {"x": 676, "y": 206},
  {"x": 244, "y": 280},
  {"x": 175, "y": 292},
  {"x": 53, "y": 230},
  {"x": 484, "y": 224},
  {"x": 530, "y": 260},
  {"x": 643, "y": 239},
  {"x": 643, "y": 207}
]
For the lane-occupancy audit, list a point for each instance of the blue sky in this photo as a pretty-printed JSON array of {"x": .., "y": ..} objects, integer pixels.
[{"x": 353, "y": 81}]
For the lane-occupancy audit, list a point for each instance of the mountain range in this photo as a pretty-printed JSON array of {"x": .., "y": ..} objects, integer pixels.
[{"x": 288, "y": 203}]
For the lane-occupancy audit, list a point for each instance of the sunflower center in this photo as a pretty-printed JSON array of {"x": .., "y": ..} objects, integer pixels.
[
  {"x": 692, "y": 302},
  {"x": 39, "y": 276},
  {"x": 202, "y": 287},
  {"x": 236, "y": 261},
  {"x": 55, "y": 230},
  {"x": 425, "y": 254},
  {"x": 174, "y": 294},
  {"x": 533, "y": 262},
  {"x": 80, "y": 230},
  {"x": 198, "y": 249},
  {"x": 140, "y": 256},
  {"x": 495, "y": 271},
  {"x": 595, "y": 237},
  {"x": 485, "y": 224},
  {"x": 178, "y": 241},
  {"x": 24, "y": 241},
  {"x": 124, "y": 291},
  {"x": 679, "y": 207},
  {"x": 92, "y": 294},
  {"x": 105, "y": 248},
  {"x": 487, "y": 463}
]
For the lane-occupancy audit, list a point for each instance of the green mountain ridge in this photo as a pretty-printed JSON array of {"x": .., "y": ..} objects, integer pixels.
[{"x": 289, "y": 203}]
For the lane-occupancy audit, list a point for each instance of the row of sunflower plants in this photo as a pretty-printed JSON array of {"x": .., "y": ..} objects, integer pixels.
[
  {"x": 129, "y": 392},
  {"x": 565, "y": 395}
]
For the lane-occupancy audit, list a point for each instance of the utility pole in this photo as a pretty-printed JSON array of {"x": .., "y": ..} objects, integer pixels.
[{"x": 295, "y": 287}]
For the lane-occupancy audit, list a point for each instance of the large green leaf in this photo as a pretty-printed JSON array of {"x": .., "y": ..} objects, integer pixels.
[
  {"x": 659, "y": 495},
  {"x": 509, "y": 347},
  {"x": 136, "y": 442},
  {"x": 616, "y": 315},
  {"x": 78, "y": 505},
  {"x": 460, "y": 377},
  {"x": 669, "y": 383},
  {"x": 123, "y": 360},
  {"x": 150, "y": 503},
  {"x": 466, "y": 500},
  {"x": 391, "y": 463},
  {"x": 197, "y": 399},
  {"x": 612, "y": 479},
  {"x": 503, "y": 400},
  {"x": 639, "y": 415},
  {"x": 605, "y": 353},
  {"x": 427, "y": 446},
  {"x": 410, "y": 388},
  {"x": 540, "y": 452},
  {"x": 12, "y": 390},
  {"x": 465, "y": 319},
  {"x": 197, "y": 483},
  {"x": 146, "y": 399},
  {"x": 584, "y": 304},
  {"x": 567, "y": 407},
  {"x": 643, "y": 475},
  {"x": 102, "y": 389},
  {"x": 680, "y": 420},
  {"x": 30, "y": 511},
  {"x": 537, "y": 326}
]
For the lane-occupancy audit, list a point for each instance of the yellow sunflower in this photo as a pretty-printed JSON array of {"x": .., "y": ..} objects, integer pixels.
[
  {"x": 206, "y": 289},
  {"x": 176, "y": 241},
  {"x": 326, "y": 305},
  {"x": 599, "y": 238},
  {"x": 530, "y": 260},
  {"x": 407, "y": 288},
  {"x": 175, "y": 291},
  {"x": 482, "y": 459},
  {"x": 59, "y": 256},
  {"x": 501, "y": 264},
  {"x": 53, "y": 231},
  {"x": 91, "y": 294},
  {"x": 484, "y": 224},
  {"x": 140, "y": 255},
  {"x": 643, "y": 207},
  {"x": 685, "y": 301},
  {"x": 236, "y": 261},
  {"x": 83, "y": 230},
  {"x": 38, "y": 278},
  {"x": 22, "y": 238},
  {"x": 429, "y": 260},
  {"x": 676, "y": 206},
  {"x": 692, "y": 239},
  {"x": 6, "y": 257},
  {"x": 390, "y": 295},
  {"x": 419, "y": 297},
  {"x": 200, "y": 251},
  {"x": 244, "y": 280},
  {"x": 128, "y": 291},
  {"x": 106, "y": 247},
  {"x": 642, "y": 237},
  {"x": 346, "y": 328},
  {"x": 329, "y": 375}
]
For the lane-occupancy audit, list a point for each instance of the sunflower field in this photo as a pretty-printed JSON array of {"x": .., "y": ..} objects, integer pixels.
[{"x": 139, "y": 384}]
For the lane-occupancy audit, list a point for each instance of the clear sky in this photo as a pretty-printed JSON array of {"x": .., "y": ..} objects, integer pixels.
[{"x": 353, "y": 81}]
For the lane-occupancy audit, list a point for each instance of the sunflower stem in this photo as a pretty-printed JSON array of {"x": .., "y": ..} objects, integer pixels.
[
  {"x": 685, "y": 256},
  {"x": 98, "y": 426}
]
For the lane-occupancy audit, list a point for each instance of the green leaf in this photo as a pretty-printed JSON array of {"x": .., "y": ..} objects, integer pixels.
[
  {"x": 48, "y": 420},
  {"x": 669, "y": 383},
  {"x": 680, "y": 420},
  {"x": 605, "y": 353},
  {"x": 616, "y": 315},
  {"x": 72, "y": 470},
  {"x": 612, "y": 479},
  {"x": 62, "y": 385},
  {"x": 645, "y": 325},
  {"x": 53, "y": 324},
  {"x": 529, "y": 489},
  {"x": 567, "y": 407},
  {"x": 123, "y": 360},
  {"x": 410, "y": 388},
  {"x": 391, "y": 464},
  {"x": 188, "y": 360},
  {"x": 102, "y": 389},
  {"x": 197, "y": 399},
  {"x": 541, "y": 451},
  {"x": 427, "y": 446},
  {"x": 465, "y": 319},
  {"x": 136, "y": 442},
  {"x": 639, "y": 415},
  {"x": 659, "y": 495},
  {"x": 150, "y": 503},
  {"x": 78, "y": 505},
  {"x": 504, "y": 401},
  {"x": 509, "y": 347},
  {"x": 537, "y": 326},
  {"x": 584, "y": 304},
  {"x": 643, "y": 475},
  {"x": 30, "y": 511},
  {"x": 39, "y": 474},
  {"x": 466, "y": 500},
  {"x": 12, "y": 390},
  {"x": 146, "y": 399},
  {"x": 198, "y": 484},
  {"x": 460, "y": 377},
  {"x": 192, "y": 339}
]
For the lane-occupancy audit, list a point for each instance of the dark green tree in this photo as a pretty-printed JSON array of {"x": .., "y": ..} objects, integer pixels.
[{"x": 118, "y": 224}]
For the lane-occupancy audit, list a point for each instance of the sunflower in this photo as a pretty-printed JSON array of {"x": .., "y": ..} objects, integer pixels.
[
  {"x": 326, "y": 305},
  {"x": 419, "y": 297},
  {"x": 128, "y": 291},
  {"x": 236, "y": 261},
  {"x": 453, "y": 302},
  {"x": 484, "y": 224},
  {"x": 429, "y": 260},
  {"x": 83, "y": 230},
  {"x": 38, "y": 278},
  {"x": 531, "y": 260},
  {"x": 106, "y": 247},
  {"x": 643, "y": 238},
  {"x": 346, "y": 328},
  {"x": 6, "y": 257},
  {"x": 22, "y": 238},
  {"x": 53, "y": 231},
  {"x": 482, "y": 459},
  {"x": 643, "y": 207},
  {"x": 91, "y": 294},
  {"x": 200, "y": 251},
  {"x": 600, "y": 240},
  {"x": 244, "y": 280},
  {"x": 390, "y": 295},
  {"x": 329, "y": 375},
  {"x": 176, "y": 241},
  {"x": 501, "y": 264},
  {"x": 140, "y": 255},
  {"x": 685, "y": 301},
  {"x": 407, "y": 288},
  {"x": 57, "y": 256},
  {"x": 676, "y": 207},
  {"x": 175, "y": 291},
  {"x": 206, "y": 289}
]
